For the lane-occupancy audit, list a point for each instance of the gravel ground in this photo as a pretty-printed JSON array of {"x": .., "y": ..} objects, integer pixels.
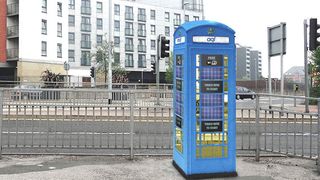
[{"x": 142, "y": 168}]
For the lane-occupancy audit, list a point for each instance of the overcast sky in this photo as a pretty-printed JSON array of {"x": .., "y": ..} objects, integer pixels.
[{"x": 250, "y": 19}]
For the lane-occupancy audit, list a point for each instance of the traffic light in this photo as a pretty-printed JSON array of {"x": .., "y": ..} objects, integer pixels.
[
  {"x": 313, "y": 34},
  {"x": 165, "y": 47},
  {"x": 153, "y": 67},
  {"x": 92, "y": 74}
]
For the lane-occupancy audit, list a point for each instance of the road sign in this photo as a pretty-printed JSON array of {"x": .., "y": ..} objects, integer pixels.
[
  {"x": 66, "y": 66},
  {"x": 276, "y": 34}
]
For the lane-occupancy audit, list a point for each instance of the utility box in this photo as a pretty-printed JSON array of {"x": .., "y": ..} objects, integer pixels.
[{"x": 204, "y": 100}]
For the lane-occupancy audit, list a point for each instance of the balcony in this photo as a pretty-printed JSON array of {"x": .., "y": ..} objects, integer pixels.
[
  {"x": 176, "y": 22},
  {"x": 128, "y": 31},
  {"x": 13, "y": 53},
  {"x": 142, "y": 17},
  {"x": 142, "y": 48},
  {"x": 129, "y": 16},
  {"x": 86, "y": 27},
  {"x": 13, "y": 9},
  {"x": 129, "y": 47},
  {"x": 85, "y": 10},
  {"x": 141, "y": 32},
  {"x": 86, "y": 44},
  {"x": 13, "y": 31}
]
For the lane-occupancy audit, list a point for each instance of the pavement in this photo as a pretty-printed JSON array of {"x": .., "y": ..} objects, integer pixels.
[{"x": 143, "y": 168}]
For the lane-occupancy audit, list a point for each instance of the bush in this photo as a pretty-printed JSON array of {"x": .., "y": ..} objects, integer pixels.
[{"x": 314, "y": 92}]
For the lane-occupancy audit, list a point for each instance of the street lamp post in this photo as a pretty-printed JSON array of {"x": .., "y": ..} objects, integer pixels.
[{"x": 109, "y": 51}]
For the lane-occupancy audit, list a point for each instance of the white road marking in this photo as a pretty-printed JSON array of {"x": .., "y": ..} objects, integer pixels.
[{"x": 289, "y": 134}]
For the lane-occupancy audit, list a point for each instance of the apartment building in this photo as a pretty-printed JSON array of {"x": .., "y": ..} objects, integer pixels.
[
  {"x": 44, "y": 34},
  {"x": 249, "y": 63}
]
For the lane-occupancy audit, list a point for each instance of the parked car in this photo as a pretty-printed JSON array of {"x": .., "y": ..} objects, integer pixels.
[
  {"x": 26, "y": 92},
  {"x": 244, "y": 93}
]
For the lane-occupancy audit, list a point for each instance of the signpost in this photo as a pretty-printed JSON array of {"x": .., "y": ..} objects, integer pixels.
[
  {"x": 66, "y": 67},
  {"x": 276, "y": 46}
]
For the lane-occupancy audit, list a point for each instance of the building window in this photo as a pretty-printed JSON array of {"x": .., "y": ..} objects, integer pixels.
[
  {"x": 186, "y": 18},
  {"x": 153, "y": 30},
  {"x": 153, "y": 44},
  {"x": 116, "y": 57},
  {"x": 129, "y": 44},
  {"x": 196, "y": 18},
  {"x": 142, "y": 61},
  {"x": 177, "y": 20},
  {"x": 85, "y": 41},
  {"x": 99, "y": 40},
  {"x": 167, "y": 31},
  {"x": 129, "y": 13},
  {"x": 116, "y": 41},
  {"x": 85, "y": 24},
  {"x": 142, "y": 30},
  {"x": 141, "y": 14},
  {"x": 85, "y": 7},
  {"x": 129, "y": 29},
  {"x": 142, "y": 45},
  {"x": 153, "y": 58},
  {"x": 71, "y": 4},
  {"x": 129, "y": 60},
  {"x": 117, "y": 9},
  {"x": 71, "y": 38},
  {"x": 43, "y": 48},
  {"x": 99, "y": 23},
  {"x": 153, "y": 14},
  {"x": 117, "y": 26},
  {"x": 71, "y": 55},
  {"x": 71, "y": 20},
  {"x": 59, "y": 9},
  {"x": 85, "y": 58},
  {"x": 167, "y": 16},
  {"x": 59, "y": 30},
  {"x": 59, "y": 50},
  {"x": 44, "y": 26},
  {"x": 44, "y": 6},
  {"x": 99, "y": 7}
]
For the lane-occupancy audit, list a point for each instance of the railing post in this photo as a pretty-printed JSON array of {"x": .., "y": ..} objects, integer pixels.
[
  {"x": 1, "y": 119},
  {"x": 318, "y": 163},
  {"x": 131, "y": 124},
  {"x": 257, "y": 128}
]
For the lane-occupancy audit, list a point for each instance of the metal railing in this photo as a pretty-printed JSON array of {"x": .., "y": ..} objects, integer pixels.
[
  {"x": 13, "y": 31},
  {"x": 53, "y": 120},
  {"x": 12, "y": 9},
  {"x": 13, "y": 53}
]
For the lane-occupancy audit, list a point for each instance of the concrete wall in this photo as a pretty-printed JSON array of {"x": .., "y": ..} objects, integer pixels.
[{"x": 31, "y": 71}]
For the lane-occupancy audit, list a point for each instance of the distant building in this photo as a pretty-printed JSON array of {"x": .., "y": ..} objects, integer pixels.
[
  {"x": 249, "y": 63},
  {"x": 295, "y": 74}
]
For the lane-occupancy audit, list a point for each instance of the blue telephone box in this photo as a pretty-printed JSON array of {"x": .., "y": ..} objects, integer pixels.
[{"x": 204, "y": 100}]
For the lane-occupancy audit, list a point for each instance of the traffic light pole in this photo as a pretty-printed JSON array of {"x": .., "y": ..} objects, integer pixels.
[
  {"x": 306, "y": 74},
  {"x": 157, "y": 69}
]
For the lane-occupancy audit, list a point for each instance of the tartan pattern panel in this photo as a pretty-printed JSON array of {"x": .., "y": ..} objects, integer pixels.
[
  {"x": 179, "y": 109},
  {"x": 211, "y": 73},
  {"x": 212, "y": 113},
  {"x": 179, "y": 72},
  {"x": 211, "y": 100},
  {"x": 179, "y": 97}
]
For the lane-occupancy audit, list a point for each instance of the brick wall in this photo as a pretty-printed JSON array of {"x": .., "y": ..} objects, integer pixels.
[{"x": 3, "y": 30}]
